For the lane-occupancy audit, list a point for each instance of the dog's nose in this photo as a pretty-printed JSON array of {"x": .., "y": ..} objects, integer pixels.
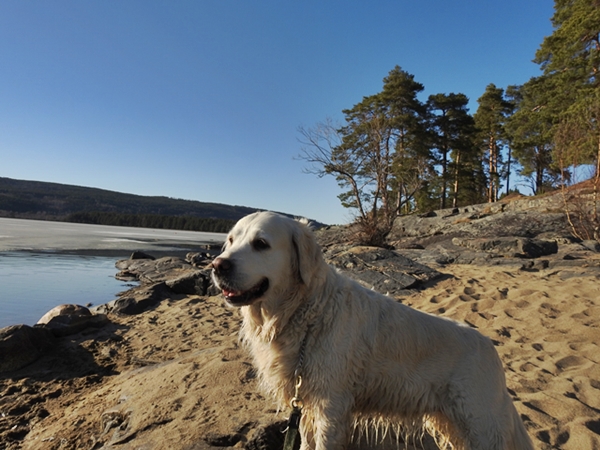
[{"x": 222, "y": 266}]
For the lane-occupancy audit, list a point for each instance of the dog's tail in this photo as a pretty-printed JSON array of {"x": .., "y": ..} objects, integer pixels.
[{"x": 519, "y": 439}]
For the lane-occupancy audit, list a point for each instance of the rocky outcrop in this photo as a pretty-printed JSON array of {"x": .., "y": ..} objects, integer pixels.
[
  {"x": 149, "y": 271},
  {"x": 511, "y": 247},
  {"x": 502, "y": 233},
  {"x": 487, "y": 220},
  {"x": 159, "y": 279},
  {"x": 180, "y": 275},
  {"x": 380, "y": 269}
]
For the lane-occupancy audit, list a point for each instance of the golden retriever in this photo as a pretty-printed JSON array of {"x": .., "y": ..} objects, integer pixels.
[{"x": 363, "y": 357}]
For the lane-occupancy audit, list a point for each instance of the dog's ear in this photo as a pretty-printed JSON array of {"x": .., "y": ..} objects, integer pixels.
[{"x": 308, "y": 256}]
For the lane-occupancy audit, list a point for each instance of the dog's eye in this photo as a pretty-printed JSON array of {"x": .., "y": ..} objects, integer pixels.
[{"x": 260, "y": 244}]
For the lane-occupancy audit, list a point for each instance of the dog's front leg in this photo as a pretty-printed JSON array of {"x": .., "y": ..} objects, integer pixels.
[{"x": 333, "y": 425}]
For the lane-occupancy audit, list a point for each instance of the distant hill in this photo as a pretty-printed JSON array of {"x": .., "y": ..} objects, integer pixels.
[{"x": 62, "y": 202}]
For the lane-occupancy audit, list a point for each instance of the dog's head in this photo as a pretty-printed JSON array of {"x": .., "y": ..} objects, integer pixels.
[{"x": 266, "y": 256}]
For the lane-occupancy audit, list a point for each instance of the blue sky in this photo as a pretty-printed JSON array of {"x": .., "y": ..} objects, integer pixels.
[{"x": 202, "y": 100}]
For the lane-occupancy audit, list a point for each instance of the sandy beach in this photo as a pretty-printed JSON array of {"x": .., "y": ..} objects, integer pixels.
[{"x": 175, "y": 377}]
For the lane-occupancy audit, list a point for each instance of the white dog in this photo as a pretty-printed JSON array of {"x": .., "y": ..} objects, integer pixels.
[{"x": 363, "y": 357}]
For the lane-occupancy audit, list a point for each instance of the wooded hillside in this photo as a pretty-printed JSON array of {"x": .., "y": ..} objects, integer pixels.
[{"x": 54, "y": 201}]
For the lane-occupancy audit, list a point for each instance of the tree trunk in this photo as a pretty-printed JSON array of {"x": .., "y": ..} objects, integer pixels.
[
  {"x": 596, "y": 219},
  {"x": 456, "y": 178},
  {"x": 539, "y": 174},
  {"x": 508, "y": 170},
  {"x": 492, "y": 169},
  {"x": 444, "y": 178}
]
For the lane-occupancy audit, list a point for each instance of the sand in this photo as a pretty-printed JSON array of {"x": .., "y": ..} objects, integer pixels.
[
  {"x": 546, "y": 326},
  {"x": 175, "y": 377}
]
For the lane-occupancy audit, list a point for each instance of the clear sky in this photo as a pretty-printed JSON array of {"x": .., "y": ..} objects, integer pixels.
[{"x": 202, "y": 99}]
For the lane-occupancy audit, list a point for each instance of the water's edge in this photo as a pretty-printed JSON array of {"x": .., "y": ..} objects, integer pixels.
[{"x": 44, "y": 264}]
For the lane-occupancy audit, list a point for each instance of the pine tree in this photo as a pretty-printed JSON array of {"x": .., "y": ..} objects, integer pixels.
[
  {"x": 379, "y": 157},
  {"x": 570, "y": 60},
  {"x": 572, "y": 51},
  {"x": 490, "y": 118},
  {"x": 529, "y": 131},
  {"x": 411, "y": 165},
  {"x": 453, "y": 129}
]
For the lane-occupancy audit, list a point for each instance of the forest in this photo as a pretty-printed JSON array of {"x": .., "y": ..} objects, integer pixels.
[
  {"x": 160, "y": 221},
  {"x": 396, "y": 154},
  {"x": 60, "y": 202}
]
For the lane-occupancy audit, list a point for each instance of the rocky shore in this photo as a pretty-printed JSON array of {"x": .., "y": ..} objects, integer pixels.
[{"x": 160, "y": 366}]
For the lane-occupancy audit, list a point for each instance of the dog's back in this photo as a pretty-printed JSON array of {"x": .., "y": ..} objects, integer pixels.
[{"x": 361, "y": 355}]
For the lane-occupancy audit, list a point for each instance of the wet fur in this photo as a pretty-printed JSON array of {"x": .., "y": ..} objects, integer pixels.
[{"x": 368, "y": 359}]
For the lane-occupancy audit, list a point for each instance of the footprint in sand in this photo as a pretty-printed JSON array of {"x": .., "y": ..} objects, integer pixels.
[{"x": 569, "y": 362}]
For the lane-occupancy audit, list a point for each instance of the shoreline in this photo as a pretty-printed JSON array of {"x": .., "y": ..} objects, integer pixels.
[
  {"x": 31, "y": 237},
  {"x": 175, "y": 376}
]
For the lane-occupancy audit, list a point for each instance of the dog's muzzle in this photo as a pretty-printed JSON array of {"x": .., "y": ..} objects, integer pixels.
[
  {"x": 244, "y": 298},
  {"x": 222, "y": 273}
]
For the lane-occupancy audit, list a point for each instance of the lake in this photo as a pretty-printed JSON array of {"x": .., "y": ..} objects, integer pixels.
[
  {"x": 33, "y": 283},
  {"x": 44, "y": 264}
]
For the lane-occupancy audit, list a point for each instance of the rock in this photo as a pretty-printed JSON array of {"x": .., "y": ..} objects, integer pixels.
[
  {"x": 510, "y": 247},
  {"x": 178, "y": 275},
  {"x": 560, "y": 238},
  {"x": 190, "y": 283},
  {"x": 380, "y": 269},
  {"x": 123, "y": 264},
  {"x": 125, "y": 275},
  {"x": 535, "y": 265},
  {"x": 64, "y": 320},
  {"x": 21, "y": 345},
  {"x": 66, "y": 325},
  {"x": 64, "y": 310},
  {"x": 408, "y": 246},
  {"x": 591, "y": 245},
  {"x": 154, "y": 271},
  {"x": 528, "y": 217},
  {"x": 138, "y": 299},
  {"x": 198, "y": 259},
  {"x": 141, "y": 255}
]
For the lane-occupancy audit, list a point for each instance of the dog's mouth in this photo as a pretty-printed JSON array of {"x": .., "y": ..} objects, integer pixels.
[{"x": 243, "y": 298}]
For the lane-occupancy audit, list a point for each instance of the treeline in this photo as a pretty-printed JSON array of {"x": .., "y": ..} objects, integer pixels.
[
  {"x": 30, "y": 198},
  {"x": 160, "y": 221},
  {"x": 395, "y": 154}
]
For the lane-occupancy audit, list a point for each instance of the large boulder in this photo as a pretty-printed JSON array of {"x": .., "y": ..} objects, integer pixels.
[
  {"x": 21, "y": 345},
  {"x": 67, "y": 319}
]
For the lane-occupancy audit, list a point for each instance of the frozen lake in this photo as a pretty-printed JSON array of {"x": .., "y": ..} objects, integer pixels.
[
  {"x": 44, "y": 264},
  {"x": 39, "y": 235}
]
